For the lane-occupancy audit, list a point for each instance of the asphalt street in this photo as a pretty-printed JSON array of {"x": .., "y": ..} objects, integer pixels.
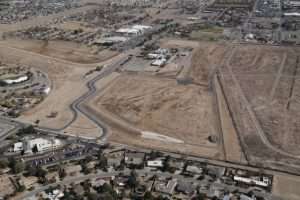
[{"x": 76, "y": 107}]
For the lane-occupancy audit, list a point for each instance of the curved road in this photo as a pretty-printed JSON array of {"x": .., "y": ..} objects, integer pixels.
[{"x": 76, "y": 105}]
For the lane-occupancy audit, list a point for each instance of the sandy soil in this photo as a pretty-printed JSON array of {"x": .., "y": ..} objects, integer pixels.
[
  {"x": 206, "y": 58},
  {"x": 158, "y": 105},
  {"x": 173, "y": 43},
  {"x": 258, "y": 97},
  {"x": 83, "y": 127},
  {"x": 269, "y": 97},
  {"x": 6, "y": 186},
  {"x": 286, "y": 187},
  {"x": 65, "y": 76},
  {"x": 69, "y": 51},
  {"x": 233, "y": 151},
  {"x": 124, "y": 137}
]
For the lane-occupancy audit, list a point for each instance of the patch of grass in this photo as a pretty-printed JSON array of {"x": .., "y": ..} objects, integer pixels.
[
  {"x": 205, "y": 36},
  {"x": 207, "y": 33},
  {"x": 211, "y": 29}
]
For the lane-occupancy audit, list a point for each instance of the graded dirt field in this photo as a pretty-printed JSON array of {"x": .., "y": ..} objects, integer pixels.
[
  {"x": 261, "y": 91},
  {"x": 286, "y": 187},
  {"x": 162, "y": 107},
  {"x": 267, "y": 83},
  {"x": 207, "y": 57},
  {"x": 69, "y": 51}
]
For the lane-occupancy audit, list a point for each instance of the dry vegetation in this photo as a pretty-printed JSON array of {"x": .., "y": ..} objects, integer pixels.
[
  {"x": 64, "y": 76},
  {"x": 267, "y": 84},
  {"x": 161, "y": 106},
  {"x": 287, "y": 187},
  {"x": 206, "y": 58},
  {"x": 64, "y": 50}
]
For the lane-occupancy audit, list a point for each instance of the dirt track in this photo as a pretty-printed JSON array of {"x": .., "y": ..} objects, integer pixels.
[{"x": 258, "y": 93}]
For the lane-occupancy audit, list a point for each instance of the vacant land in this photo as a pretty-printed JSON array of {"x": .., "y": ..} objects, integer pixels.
[
  {"x": 233, "y": 151},
  {"x": 286, "y": 187},
  {"x": 64, "y": 76},
  {"x": 261, "y": 90},
  {"x": 69, "y": 51},
  {"x": 163, "y": 107},
  {"x": 206, "y": 59},
  {"x": 6, "y": 186}
]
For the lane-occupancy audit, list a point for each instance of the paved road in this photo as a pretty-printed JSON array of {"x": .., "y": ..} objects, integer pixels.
[
  {"x": 64, "y": 182},
  {"x": 76, "y": 107},
  {"x": 141, "y": 172},
  {"x": 8, "y": 127}
]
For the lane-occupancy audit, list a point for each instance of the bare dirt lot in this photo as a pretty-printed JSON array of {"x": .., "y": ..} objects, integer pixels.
[
  {"x": 206, "y": 58},
  {"x": 6, "y": 186},
  {"x": 286, "y": 187},
  {"x": 261, "y": 90},
  {"x": 67, "y": 84},
  {"x": 161, "y": 106},
  {"x": 69, "y": 51}
]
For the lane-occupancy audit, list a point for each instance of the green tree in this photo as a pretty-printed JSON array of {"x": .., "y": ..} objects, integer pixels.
[
  {"x": 132, "y": 180},
  {"x": 36, "y": 171},
  {"x": 3, "y": 163},
  {"x": 27, "y": 130},
  {"x": 107, "y": 192},
  {"x": 86, "y": 185},
  {"x": 41, "y": 172},
  {"x": 35, "y": 149},
  {"x": 62, "y": 173},
  {"x": 88, "y": 159},
  {"x": 155, "y": 154},
  {"x": 200, "y": 196},
  {"x": 167, "y": 166},
  {"x": 102, "y": 163},
  {"x": 21, "y": 188},
  {"x": 148, "y": 196},
  {"x": 108, "y": 196},
  {"x": 92, "y": 196},
  {"x": 160, "y": 197},
  {"x": 16, "y": 166}
]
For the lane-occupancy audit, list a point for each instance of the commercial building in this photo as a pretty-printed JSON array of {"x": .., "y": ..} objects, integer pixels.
[
  {"x": 41, "y": 145},
  {"x": 155, "y": 163},
  {"x": 264, "y": 181},
  {"x": 16, "y": 80},
  {"x": 134, "y": 158},
  {"x": 134, "y": 30}
]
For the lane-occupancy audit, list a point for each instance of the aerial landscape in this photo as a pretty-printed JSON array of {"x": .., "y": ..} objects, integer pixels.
[{"x": 149, "y": 99}]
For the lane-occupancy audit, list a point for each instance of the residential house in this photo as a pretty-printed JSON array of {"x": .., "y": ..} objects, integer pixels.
[
  {"x": 134, "y": 159},
  {"x": 187, "y": 188},
  {"x": 166, "y": 188}
]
